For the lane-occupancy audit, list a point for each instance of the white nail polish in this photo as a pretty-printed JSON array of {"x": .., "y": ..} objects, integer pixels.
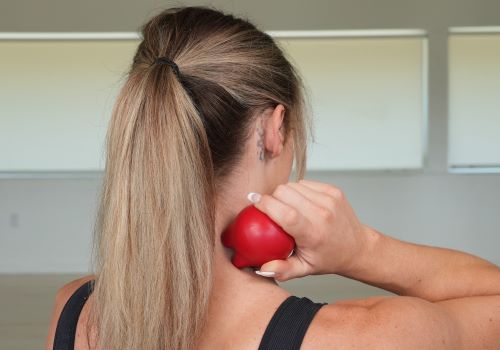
[
  {"x": 254, "y": 197},
  {"x": 265, "y": 273}
]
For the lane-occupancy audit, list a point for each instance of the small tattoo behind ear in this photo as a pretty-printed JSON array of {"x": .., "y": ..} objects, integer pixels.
[{"x": 260, "y": 142}]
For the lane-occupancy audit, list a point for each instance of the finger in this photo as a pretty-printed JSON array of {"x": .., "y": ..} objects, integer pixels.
[
  {"x": 289, "y": 218},
  {"x": 323, "y": 188},
  {"x": 316, "y": 197},
  {"x": 287, "y": 194},
  {"x": 285, "y": 270}
]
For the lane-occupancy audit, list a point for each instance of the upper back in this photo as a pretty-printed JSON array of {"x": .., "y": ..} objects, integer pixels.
[
  {"x": 371, "y": 323},
  {"x": 286, "y": 328}
]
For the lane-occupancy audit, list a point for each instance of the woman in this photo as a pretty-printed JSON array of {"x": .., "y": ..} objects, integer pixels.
[{"x": 211, "y": 111}]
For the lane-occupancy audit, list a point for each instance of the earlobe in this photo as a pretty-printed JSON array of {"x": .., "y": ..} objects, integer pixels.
[
  {"x": 274, "y": 131},
  {"x": 280, "y": 148}
]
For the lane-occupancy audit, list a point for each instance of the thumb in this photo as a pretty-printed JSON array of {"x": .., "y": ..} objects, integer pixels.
[{"x": 284, "y": 270}]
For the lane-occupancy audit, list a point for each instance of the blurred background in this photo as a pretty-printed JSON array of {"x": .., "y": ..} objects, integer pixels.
[{"x": 405, "y": 98}]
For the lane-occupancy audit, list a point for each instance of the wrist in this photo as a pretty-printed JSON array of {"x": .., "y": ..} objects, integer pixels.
[{"x": 363, "y": 259}]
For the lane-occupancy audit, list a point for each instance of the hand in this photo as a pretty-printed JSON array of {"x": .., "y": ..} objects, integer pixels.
[{"x": 327, "y": 233}]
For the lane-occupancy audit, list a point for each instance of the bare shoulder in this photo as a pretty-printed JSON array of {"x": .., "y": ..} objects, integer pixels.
[
  {"x": 69, "y": 288},
  {"x": 381, "y": 323},
  {"x": 61, "y": 297}
]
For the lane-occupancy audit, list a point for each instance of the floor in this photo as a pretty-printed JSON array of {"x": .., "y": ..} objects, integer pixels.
[{"x": 26, "y": 302}]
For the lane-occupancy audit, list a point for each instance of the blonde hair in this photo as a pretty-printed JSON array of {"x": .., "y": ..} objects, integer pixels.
[{"x": 170, "y": 141}]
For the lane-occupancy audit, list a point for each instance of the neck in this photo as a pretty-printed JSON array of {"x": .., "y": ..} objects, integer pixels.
[
  {"x": 228, "y": 204},
  {"x": 227, "y": 209}
]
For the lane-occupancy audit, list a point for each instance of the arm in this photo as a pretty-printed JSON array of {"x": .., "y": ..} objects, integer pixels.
[
  {"x": 330, "y": 239},
  {"x": 408, "y": 323},
  {"x": 451, "y": 299},
  {"x": 464, "y": 290},
  {"x": 430, "y": 273}
]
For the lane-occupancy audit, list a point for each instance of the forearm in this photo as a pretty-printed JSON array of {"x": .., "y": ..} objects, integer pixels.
[{"x": 427, "y": 272}]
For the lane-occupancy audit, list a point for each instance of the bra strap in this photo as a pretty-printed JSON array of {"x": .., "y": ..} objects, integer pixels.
[
  {"x": 289, "y": 324},
  {"x": 64, "y": 338}
]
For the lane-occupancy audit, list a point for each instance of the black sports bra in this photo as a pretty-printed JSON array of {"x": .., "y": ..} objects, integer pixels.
[{"x": 286, "y": 330}]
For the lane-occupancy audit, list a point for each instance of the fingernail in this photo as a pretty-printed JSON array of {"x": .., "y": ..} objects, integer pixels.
[
  {"x": 265, "y": 273},
  {"x": 254, "y": 197}
]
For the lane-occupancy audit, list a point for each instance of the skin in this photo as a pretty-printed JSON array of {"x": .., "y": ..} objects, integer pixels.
[{"x": 447, "y": 299}]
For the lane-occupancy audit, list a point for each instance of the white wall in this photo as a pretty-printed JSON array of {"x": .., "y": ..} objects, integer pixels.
[{"x": 46, "y": 225}]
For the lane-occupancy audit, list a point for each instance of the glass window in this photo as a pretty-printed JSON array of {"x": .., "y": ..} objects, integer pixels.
[
  {"x": 474, "y": 101},
  {"x": 368, "y": 100},
  {"x": 55, "y": 101}
]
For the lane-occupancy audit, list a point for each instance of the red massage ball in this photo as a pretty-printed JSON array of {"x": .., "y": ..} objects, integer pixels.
[{"x": 256, "y": 239}]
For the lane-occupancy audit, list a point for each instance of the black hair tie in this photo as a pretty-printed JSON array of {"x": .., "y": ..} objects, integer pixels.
[{"x": 168, "y": 61}]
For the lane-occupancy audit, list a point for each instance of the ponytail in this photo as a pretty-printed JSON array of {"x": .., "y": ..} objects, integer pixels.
[
  {"x": 176, "y": 134},
  {"x": 155, "y": 230}
]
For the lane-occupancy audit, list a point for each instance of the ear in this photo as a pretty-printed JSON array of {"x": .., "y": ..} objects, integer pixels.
[{"x": 273, "y": 131}]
